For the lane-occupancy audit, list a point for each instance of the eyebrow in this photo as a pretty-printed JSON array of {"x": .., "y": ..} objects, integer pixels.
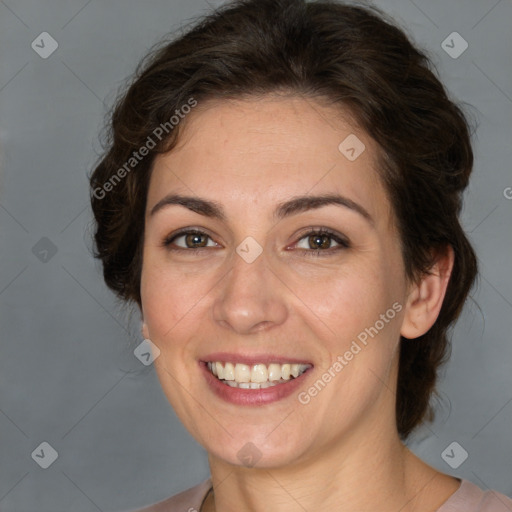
[{"x": 288, "y": 208}]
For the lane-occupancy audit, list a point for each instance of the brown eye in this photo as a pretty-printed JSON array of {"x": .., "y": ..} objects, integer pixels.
[
  {"x": 319, "y": 241},
  {"x": 193, "y": 240},
  {"x": 188, "y": 240}
]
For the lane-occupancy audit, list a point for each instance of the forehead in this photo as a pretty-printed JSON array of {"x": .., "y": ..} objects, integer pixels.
[{"x": 262, "y": 151}]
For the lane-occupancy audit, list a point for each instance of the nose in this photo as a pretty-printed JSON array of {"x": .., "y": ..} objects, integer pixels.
[{"x": 250, "y": 297}]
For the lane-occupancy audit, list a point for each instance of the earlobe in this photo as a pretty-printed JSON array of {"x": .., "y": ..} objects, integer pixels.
[
  {"x": 145, "y": 330},
  {"x": 426, "y": 297}
]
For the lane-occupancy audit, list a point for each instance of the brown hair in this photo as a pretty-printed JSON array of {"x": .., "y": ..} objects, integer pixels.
[{"x": 355, "y": 58}]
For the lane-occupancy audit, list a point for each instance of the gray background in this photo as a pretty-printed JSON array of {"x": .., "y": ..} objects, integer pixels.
[{"x": 68, "y": 375}]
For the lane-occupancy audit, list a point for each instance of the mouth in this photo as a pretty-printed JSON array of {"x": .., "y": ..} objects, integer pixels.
[
  {"x": 255, "y": 376},
  {"x": 255, "y": 380}
]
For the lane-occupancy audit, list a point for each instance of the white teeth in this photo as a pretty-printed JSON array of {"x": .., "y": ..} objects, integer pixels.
[
  {"x": 229, "y": 371},
  {"x": 242, "y": 373},
  {"x": 220, "y": 370},
  {"x": 274, "y": 371},
  {"x": 259, "y": 373},
  {"x": 258, "y": 376}
]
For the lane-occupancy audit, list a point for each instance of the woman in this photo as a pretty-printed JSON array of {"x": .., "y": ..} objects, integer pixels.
[{"x": 280, "y": 198}]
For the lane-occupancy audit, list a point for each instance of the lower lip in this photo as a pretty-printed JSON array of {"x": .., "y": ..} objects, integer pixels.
[{"x": 239, "y": 396}]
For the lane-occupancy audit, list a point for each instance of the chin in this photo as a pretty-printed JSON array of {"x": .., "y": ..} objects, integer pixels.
[{"x": 252, "y": 446}]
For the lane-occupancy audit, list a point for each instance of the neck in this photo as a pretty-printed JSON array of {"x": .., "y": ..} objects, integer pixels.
[{"x": 360, "y": 473}]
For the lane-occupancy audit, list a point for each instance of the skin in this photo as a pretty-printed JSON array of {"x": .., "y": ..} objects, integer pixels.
[{"x": 341, "y": 451}]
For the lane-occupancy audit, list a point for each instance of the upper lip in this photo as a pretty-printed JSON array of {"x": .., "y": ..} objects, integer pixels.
[{"x": 252, "y": 359}]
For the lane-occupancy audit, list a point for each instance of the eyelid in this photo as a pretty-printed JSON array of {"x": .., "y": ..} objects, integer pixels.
[
  {"x": 319, "y": 230},
  {"x": 168, "y": 240},
  {"x": 342, "y": 241}
]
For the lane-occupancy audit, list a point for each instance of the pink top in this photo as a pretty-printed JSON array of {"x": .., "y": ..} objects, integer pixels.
[{"x": 467, "y": 498}]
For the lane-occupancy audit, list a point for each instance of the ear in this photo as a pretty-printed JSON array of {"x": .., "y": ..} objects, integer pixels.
[{"x": 426, "y": 297}]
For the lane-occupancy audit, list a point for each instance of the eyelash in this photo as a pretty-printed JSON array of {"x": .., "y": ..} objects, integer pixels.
[{"x": 343, "y": 242}]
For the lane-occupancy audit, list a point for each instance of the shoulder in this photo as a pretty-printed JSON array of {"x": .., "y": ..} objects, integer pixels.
[
  {"x": 470, "y": 498},
  {"x": 186, "y": 501}
]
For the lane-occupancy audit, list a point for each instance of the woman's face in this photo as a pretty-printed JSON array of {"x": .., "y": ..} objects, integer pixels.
[{"x": 272, "y": 274}]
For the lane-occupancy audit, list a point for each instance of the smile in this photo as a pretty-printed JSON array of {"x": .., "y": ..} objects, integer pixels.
[{"x": 257, "y": 376}]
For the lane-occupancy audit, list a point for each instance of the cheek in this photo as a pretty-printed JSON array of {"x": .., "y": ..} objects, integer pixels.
[
  {"x": 363, "y": 326},
  {"x": 169, "y": 295},
  {"x": 346, "y": 300},
  {"x": 337, "y": 303}
]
